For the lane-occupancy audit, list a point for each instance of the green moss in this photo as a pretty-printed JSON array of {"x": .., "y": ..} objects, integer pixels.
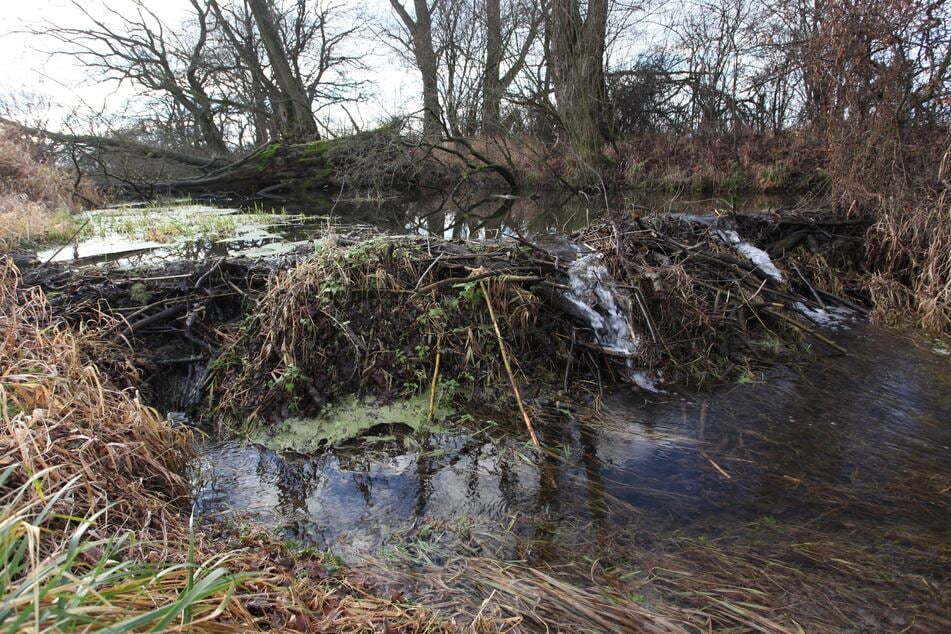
[
  {"x": 140, "y": 294},
  {"x": 266, "y": 153},
  {"x": 316, "y": 148},
  {"x": 349, "y": 419}
]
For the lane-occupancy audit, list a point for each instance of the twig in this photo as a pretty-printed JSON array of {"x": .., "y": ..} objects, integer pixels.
[
  {"x": 715, "y": 465},
  {"x": 428, "y": 269},
  {"x": 480, "y": 276},
  {"x": 210, "y": 270},
  {"x": 808, "y": 285},
  {"x": 432, "y": 390},
  {"x": 65, "y": 244},
  {"x": 171, "y": 311},
  {"x": 508, "y": 367}
]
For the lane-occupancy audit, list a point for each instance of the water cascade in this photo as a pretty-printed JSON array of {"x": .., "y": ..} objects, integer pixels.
[
  {"x": 592, "y": 294},
  {"x": 755, "y": 255}
]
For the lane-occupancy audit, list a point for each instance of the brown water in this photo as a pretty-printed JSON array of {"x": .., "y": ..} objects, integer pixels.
[{"x": 836, "y": 443}]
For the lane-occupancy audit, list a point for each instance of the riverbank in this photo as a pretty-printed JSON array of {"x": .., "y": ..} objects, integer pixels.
[{"x": 673, "y": 303}]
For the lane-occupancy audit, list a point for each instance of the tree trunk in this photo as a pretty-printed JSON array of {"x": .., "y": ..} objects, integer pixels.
[
  {"x": 428, "y": 66},
  {"x": 577, "y": 61},
  {"x": 491, "y": 84},
  {"x": 421, "y": 32},
  {"x": 269, "y": 171},
  {"x": 120, "y": 144},
  {"x": 299, "y": 122},
  {"x": 210, "y": 132}
]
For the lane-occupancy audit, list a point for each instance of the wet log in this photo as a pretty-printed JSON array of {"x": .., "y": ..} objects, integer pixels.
[{"x": 273, "y": 170}]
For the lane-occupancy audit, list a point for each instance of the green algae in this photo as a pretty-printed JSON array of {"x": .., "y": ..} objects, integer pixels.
[{"x": 349, "y": 419}]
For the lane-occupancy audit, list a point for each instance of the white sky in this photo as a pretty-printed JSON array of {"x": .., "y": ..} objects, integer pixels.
[{"x": 26, "y": 67}]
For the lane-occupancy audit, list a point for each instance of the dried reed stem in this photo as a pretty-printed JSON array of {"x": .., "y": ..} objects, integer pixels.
[{"x": 508, "y": 367}]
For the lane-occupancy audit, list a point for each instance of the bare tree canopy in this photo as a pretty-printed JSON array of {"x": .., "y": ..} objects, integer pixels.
[{"x": 230, "y": 76}]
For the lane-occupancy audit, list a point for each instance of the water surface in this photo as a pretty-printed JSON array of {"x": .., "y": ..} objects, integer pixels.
[
  {"x": 133, "y": 235},
  {"x": 838, "y": 441}
]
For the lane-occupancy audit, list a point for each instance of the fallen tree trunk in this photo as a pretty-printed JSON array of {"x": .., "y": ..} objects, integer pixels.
[
  {"x": 122, "y": 144},
  {"x": 375, "y": 159},
  {"x": 271, "y": 170}
]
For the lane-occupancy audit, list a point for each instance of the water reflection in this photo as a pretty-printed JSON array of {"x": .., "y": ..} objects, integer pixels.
[
  {"x": 490, "y": 217},
  {"x": 298, "y": 222},
  {"x": 846, "y": 439}
]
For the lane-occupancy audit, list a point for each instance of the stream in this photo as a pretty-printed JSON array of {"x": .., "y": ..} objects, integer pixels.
[
  {"x": 146, "y": 234},
  {"x": 854, "y": 448},
  {"x": 841, "y": 438},
  {"x": 834, "y": 443}
]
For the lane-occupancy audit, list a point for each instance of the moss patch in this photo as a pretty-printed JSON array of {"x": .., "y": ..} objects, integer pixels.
[
  {"x": 347, "y": 420},
  {"x": 266, "y": 154}
]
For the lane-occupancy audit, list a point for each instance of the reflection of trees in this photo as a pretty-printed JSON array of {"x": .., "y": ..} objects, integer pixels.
[
  {"x": 358, "y": 466},
  {"x": 295, "y": 481},
  {"x": 424, "y": 471},
  {"x": 460, "y": 216},
  {"x": 508, "y": 479},
  {"x": 594, "y": 480}
]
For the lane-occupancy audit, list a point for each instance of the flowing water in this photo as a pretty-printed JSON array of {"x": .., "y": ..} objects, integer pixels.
[{"x": 862, "y": 438}]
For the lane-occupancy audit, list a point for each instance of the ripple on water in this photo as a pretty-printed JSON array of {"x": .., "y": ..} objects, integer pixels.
[{"x": 866, "y": 434}]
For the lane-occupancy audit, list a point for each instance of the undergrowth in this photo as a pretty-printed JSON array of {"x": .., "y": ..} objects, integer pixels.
[{"x": 37, "y": 198}]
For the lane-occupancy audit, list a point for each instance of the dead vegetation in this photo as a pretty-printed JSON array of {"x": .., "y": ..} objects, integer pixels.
[
  {"x": 375, "y": 316},
  {"x": 94, "y": 500},
  {"x": 910, "y": 249},
  {"x": 37, "y": 198}
]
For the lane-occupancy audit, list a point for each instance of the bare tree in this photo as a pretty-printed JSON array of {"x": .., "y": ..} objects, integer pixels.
[
  {"x": 419, "y": 28},
  {"x": 168, "y": 63},
  {"x": 295, "y": 106},
  {"x": 577, "y": 33},
  {"x": 503, "y": 48}
]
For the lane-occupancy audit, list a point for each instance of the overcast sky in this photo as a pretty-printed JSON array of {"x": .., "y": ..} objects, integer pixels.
[{"x": 28, "y": 67}]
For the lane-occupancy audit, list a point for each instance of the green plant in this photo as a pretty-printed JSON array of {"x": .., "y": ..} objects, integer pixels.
[
  {"x": 470, "y": 293},
  {"x": 57, "y": 577},
  {"x": 289, "y": 379}
]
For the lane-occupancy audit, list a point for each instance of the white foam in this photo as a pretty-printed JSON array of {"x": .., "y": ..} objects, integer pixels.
[
  {"x": 590, "y": 288},
  {"x": 830, "y": 317}
]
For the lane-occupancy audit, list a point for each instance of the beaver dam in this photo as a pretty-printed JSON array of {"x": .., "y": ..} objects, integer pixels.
[{"x": 647, "y": 421}]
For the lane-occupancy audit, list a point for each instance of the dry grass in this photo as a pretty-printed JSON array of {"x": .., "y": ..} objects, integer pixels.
[
  {"x": 60, "y": 412},
  {"x": 910, "y": 250},
  {"x": 93, "y": 501},
  {"x": 361, "y": 318},
  {"x": 88, "y": 467},
  {"x": 36, "y": 196}
]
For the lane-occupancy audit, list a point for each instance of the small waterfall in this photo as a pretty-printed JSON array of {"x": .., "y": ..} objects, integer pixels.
[
  {"x": 755, "y": 255},
  {"x": 591, "y": 290},
  {"x": 592, "y": 294}
]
